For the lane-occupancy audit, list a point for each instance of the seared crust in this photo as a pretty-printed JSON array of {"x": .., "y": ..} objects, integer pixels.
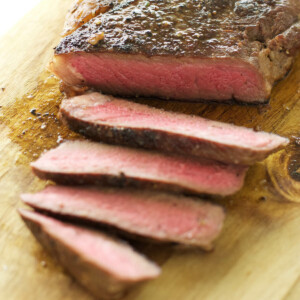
[
  {"x": 212, "y": 28},
  {"x": 83, "y": 11}
]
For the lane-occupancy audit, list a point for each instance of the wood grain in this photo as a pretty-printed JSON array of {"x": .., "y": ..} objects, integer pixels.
[{"x": 257, "y": 256}]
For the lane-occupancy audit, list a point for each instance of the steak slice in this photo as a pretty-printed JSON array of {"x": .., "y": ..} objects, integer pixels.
[
  {"x": 154, "y": 215},
  {"x": 105, "y": 266},
  {"x": 116, "y": 121},
  {"x": 187, "y": 50},
  {"x": 82, "y": 162}
]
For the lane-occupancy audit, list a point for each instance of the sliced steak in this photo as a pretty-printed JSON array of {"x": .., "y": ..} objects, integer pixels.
[
  {"x": 105, "y": 266},
  {"x": 187, "y": 50},
  {"x": 116, "y": 121},
  {"x": 153, "y": 215},
  {"x": 83, "y": 162}
]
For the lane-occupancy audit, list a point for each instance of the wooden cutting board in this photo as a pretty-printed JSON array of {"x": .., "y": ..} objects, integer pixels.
[{"x": 258, "y": 254}]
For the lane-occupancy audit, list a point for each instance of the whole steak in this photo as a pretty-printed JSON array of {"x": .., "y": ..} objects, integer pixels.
[{"x": 187, "y": 50}]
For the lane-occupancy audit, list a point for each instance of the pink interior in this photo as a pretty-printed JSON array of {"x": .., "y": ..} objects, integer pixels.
[
  {"x": 152, "y": 214},
  {"x": 104, "y": 109},
  {"x": 114, "y": 257},
  {"x": 176, "y": 78},
  {"x": 82, "y": 157}
]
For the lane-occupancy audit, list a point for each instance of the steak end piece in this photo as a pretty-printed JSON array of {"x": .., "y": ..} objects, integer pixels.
[
  {"x": 115, "y": 121},
  {"x": 154, "y": 215},
  {"x": 220, "y": 50},
  {"x": 106, "y": 267},
  {"x": 83, "y": 162}
]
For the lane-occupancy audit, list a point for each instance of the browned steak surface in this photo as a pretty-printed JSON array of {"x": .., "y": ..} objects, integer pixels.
[
  {"x": 84, "y": 10},
  {"x": 213, "y": 28}
]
